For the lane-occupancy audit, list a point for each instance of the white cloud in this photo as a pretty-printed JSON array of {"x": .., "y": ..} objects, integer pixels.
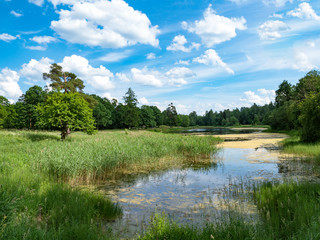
[
  {"x": 211, "y": 58},
  {"x": 304, "y": 11},
  {"x": 108, "y": 24},
  {"x": 265, "y": 97},
  {"x": 16, "y": 14},
  {"x": 239, "y": 2},
  {"x": 7, "y": 37},
  {"x": 99, "y": 78},
  {"x": 182, "y": 62},
  {"x": 146, "y": 77},
  {"x": 43, "y": 39},
  {"x": 37, "y": 2},
  {"x": 9, "y": 86},
  {"x": 122, "y": 77},
  {"x": 303, "y": 62},
  {"x": 116, "y": 56},
  {"x": 37, "y": 48},
  {"x": 108, "y": 95},
  {"x": 272, "y": 29},
  {"x": 276, "y": 15},
  {"x": 277, "y": 3},
  {"x": 178, "y": 44},
  {"x": 214, "y": 29},
  {"x": 177, "y": 75},
  {"x": 151, "y": 56},
  {"x": 180, "y": 72},
  {"x": 34, "y": 69},
  {"x": 143, "y": 101}
]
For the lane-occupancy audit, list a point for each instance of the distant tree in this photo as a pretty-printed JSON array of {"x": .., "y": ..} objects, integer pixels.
[
  {"x": 310, "y": 118},
  {"x": 284, "y": 93},
  {"x": 66, "y": 111},
  {"x": 131, "y": 111},
  {"x": 184, "y": 121},
  {"x": 233, "y": 121},
  {"x": 33, "y": 96},
  {"x": 307, "y": 85},
  {"x": 193, "y": 118},
  {"x": 4, "y": 103},
  {"x": 60, "y": 80},
  {"x": 157, "y": 114},
  {"x": 147, "y": 116},
  {"x": 171, "y": 115}
]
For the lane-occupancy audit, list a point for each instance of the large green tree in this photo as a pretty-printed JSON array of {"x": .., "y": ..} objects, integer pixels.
[
  {"x": 4, "y": 103},
  {"x": 66, "y": 111},
  {"x": 60, "y": 80}
]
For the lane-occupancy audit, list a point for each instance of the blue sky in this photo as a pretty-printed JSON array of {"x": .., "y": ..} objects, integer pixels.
[{"x": 200, "y": 55}]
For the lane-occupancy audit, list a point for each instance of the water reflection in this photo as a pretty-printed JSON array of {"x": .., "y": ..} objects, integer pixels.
[{"x": 196, "y": 191}]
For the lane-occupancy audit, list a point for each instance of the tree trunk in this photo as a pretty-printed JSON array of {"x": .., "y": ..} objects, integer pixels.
[{"x": 65, "y": 131}]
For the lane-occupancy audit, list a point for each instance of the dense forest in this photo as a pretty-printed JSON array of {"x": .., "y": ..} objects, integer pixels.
[{"x": 67, "y": 107}]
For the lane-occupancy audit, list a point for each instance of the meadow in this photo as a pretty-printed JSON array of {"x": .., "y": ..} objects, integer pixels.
[{"x": 40, "y": 192}]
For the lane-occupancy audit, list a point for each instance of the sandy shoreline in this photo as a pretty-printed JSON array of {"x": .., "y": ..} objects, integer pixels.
[{"x": 251, "y": 140}]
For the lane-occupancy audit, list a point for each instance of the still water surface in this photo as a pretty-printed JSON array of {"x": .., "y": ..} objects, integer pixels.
[{"x": 194, "y": 193}]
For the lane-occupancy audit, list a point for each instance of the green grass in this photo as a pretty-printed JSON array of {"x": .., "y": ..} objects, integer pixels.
[
  {"x": 37, "y": 203},
  {"x": 287, "y": 211},
  {"x": 293, "y": 145},
  {"x": 88, "y": 158}
]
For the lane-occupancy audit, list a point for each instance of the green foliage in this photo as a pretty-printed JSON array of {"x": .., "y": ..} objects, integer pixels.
[
  {"x": 284, "y": 93},
  {"x": 147, "y": 116},
  {"x": 131, "y": 115},
  {"x": 63, "y": 80},
  {"x": 170, "y": 115},
  {"x": 310, "y": 118},
  {"x": 310, "y": 84},
  {"x": 68, "y": 110}
]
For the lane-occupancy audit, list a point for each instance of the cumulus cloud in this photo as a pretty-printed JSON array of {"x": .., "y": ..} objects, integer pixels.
[
  {"x": 43, "y": 39},
  {"x": 116, "y": 56},
  {"x": 177, "y": 75},
  {"x": 178, "y": 44},
  {"x": 306, "y": 56},
  {"x": 108, "y": 24},
  {"x": 9, "y": 86},
  {"x": 151, "y": 56},
  {"x": 214, "y": 29},
  {"x": 146, "y": 77},
  {"x": 108, "y": 95},
  {"x": 37, "y": 2},
  {"x": 16, "y": 14},
  {"x": 277, "y": 3},
  {"x": 264, "y": 97},
  {"x": 271, "y": 30},
  {"x": 211, "y": 58},
  {"x": 304, "y": 11},
  {"x": 99, "y": 78},
  {"x": 122, "y": 77},
  {"x": 34, "y": 69},
  {"x": 7, "y": 37},
  {"x": 143, "y": 101}
]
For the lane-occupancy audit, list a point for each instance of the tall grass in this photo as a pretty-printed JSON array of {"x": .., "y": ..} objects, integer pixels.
[
  {"x": 34, "y": 207},
  {"x": 287, "y": 211},
  {"x": 95, "y": 157}
]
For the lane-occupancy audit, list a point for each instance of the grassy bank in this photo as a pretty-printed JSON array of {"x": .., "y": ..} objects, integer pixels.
[
  {"x": 37, "y": 203},
  {"x": 88, "y": 158},
  {"x": 287, "y": 211}
]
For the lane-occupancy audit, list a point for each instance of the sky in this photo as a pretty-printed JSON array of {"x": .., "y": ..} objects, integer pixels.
[{"x": 199, "y": 55}]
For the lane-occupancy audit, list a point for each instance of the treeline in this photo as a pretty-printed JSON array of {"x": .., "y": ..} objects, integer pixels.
[
  {"x": 24, "y": 114},
  {"x": 66, "y": 107},
  {"x": 298, "y": 107}
]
